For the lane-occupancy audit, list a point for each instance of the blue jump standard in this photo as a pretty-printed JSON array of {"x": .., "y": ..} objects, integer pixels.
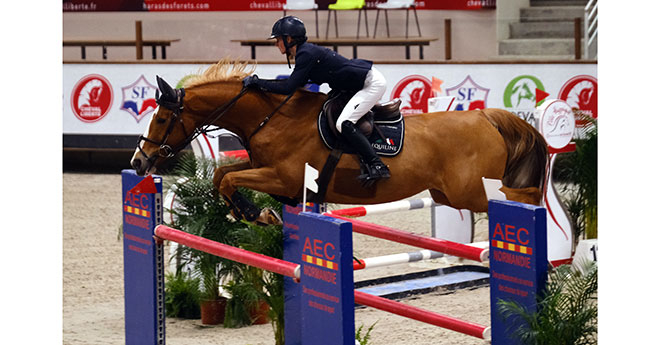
[{"x": 324, "y": 310}]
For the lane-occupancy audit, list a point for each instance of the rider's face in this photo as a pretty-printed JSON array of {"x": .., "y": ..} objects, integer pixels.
[{"x": 280, "y": 44}]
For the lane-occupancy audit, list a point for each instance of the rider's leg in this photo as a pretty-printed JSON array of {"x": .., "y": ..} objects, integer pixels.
[
  {"x": 376, "y": 169},
  {"x": 372, "y": 91},
  {"x": 358, "y": 106}
]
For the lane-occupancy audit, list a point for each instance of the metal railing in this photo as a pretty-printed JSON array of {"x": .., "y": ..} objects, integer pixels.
[{"x": 591, "y": 30}]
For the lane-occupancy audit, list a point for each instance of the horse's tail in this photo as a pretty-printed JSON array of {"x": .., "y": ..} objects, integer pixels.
[{"x": 527, "y": 150}]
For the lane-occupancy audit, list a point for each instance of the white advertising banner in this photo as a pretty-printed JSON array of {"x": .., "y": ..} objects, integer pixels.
[{"x": 118, "y": 99}]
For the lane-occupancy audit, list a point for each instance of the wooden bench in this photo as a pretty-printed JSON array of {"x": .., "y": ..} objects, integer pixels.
[
  {"x": 83, "y": 44},
  {"x": 351, "y": 42}
]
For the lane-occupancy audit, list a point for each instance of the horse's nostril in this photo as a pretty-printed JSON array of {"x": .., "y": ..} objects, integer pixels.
[{"x": 136, "y": 164}]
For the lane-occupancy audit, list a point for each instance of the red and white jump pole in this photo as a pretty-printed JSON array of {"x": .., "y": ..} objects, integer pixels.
[
  {"x": 438, "y": 245},
  {"x": 243, "y": 256},
  {"x": 393, "y": 259},
  {"x": 401, "y": 205},
  {"x": 293, "y": 270},
  {"x": 426, "y": 316}
]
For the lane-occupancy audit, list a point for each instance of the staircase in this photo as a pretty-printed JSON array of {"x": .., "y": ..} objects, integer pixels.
[{"x": 545, "y": 31}]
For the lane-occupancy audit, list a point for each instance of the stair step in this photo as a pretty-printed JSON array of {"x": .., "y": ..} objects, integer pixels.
[
  {"x": 550, "y": 13},
  {"x": 538, "y": 46},
  {"x": 543, "y": 30}
]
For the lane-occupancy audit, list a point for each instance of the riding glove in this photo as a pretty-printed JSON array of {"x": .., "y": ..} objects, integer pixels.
[{"x": 251, "y": 81}]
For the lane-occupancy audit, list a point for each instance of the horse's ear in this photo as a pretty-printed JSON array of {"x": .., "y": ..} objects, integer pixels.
[{"x": 168, "y": 92}]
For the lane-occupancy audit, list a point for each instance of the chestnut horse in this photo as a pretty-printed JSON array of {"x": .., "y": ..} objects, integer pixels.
[{"x": 445, "y": 152}]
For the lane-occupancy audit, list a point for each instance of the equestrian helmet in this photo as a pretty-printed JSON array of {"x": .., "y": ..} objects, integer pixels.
[{"x": 289, "y": 26}]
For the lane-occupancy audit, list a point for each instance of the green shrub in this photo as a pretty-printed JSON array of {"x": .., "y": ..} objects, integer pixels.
[
  {"x": 568, "y": 309},
  {"x": 202, "y": 212},
  {"x": 182, "y": 296},
  {"x": 579, "y": 172}
]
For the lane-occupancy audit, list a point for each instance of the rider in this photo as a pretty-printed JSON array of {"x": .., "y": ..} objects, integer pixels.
[{"x": 322, "y": 65}]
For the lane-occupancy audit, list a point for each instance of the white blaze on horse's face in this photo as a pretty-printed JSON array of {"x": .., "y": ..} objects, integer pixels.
[{"x": 137, "y": 155}]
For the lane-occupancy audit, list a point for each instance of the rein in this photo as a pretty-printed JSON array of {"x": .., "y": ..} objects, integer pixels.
[{"x": 264, "y": 122}]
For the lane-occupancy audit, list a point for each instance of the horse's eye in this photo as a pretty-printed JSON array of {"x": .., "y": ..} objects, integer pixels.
[{"x": 160, "y": 120}]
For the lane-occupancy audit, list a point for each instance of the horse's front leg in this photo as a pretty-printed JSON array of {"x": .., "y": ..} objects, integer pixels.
[
  {"x": 236, "y": 203},
  {"x": 262, "y": 179},
  {"x": 220, "y": 172}
]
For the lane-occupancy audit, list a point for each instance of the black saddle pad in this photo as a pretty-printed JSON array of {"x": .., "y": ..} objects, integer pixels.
[{"x": 389, "y": 145}]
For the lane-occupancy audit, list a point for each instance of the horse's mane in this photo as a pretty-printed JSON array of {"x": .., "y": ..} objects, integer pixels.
[{"x": 224, "y": 70}]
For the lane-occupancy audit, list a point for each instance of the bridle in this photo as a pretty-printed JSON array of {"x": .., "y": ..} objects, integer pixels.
[{"x": 176, "y": 106}]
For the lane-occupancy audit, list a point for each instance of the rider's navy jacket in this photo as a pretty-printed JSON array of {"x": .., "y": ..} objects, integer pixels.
[{"x": 321, "y": 65}]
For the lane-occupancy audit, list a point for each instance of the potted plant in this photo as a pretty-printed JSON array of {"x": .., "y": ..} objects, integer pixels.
[
  {"x": 202, "y": 212},
  {"x": 212, "y": 304}
]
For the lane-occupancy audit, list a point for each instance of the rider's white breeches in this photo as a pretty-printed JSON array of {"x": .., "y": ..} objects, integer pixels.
[{"x": 373, "y": 90}]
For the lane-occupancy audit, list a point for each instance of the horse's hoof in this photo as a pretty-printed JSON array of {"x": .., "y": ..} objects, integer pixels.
[{"x": 268, "y": 217}]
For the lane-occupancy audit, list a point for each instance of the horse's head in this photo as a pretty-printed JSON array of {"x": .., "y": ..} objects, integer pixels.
[{"x": 168, "y": 132}]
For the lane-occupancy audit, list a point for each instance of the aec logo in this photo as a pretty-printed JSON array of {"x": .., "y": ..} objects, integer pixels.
[
  {"x": 138, "y": 99},
  {"x": 469, "y": 95},
  {"x": 414, "y": 92},
  {"x": 521, "y": 96},
  {"x": 581, "y": 92},
  {"x": 91, "y": 98}
]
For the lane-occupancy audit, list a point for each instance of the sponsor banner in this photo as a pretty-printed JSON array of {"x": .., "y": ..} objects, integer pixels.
[
  {"x": 244, "y": 5},
  {"x": 581, "y": 92},
  {"x": 120, "y": 99}
]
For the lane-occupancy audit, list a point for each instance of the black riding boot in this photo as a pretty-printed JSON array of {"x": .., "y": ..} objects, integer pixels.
[{"x": 376, "y": 170}]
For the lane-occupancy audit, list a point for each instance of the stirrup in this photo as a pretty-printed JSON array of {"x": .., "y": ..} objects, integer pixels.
[{"x": 370, "y": 173}]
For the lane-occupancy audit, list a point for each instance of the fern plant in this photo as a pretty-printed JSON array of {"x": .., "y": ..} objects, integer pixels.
[
  {"x": 568, "y": 311},
  {"x": 202, "y": 212},
  {"x": 182, "y": 295}
]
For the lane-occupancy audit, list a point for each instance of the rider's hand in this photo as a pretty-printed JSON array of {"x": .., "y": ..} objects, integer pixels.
[{"x": 250, "y": 81}]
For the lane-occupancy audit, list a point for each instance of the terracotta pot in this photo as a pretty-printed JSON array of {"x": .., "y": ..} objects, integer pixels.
[
  {"x": 213, "y": 311},
  {"x": 260, "y": 313}
]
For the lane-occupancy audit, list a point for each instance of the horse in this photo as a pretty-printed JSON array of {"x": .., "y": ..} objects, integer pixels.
[{"x": 446, "y": 153}]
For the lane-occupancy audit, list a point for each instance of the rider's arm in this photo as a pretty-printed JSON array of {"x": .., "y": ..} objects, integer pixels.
[{"x": 298, "y": 78}]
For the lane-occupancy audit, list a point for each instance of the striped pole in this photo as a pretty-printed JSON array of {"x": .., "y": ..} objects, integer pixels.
[
  {"x": 401, "y": 205},
  {"x": 438, "y": 245},
  {"x": 243, "y": 256},
  {"x": 401, "y": 258},
  {"x": 422, "y": 315}
]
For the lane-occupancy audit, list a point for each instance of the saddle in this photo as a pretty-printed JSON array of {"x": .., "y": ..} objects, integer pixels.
[{"x": 383, "y": 125}]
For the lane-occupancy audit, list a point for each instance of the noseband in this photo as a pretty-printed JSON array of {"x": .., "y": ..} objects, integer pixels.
[{"x": 176, "y": 106}]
